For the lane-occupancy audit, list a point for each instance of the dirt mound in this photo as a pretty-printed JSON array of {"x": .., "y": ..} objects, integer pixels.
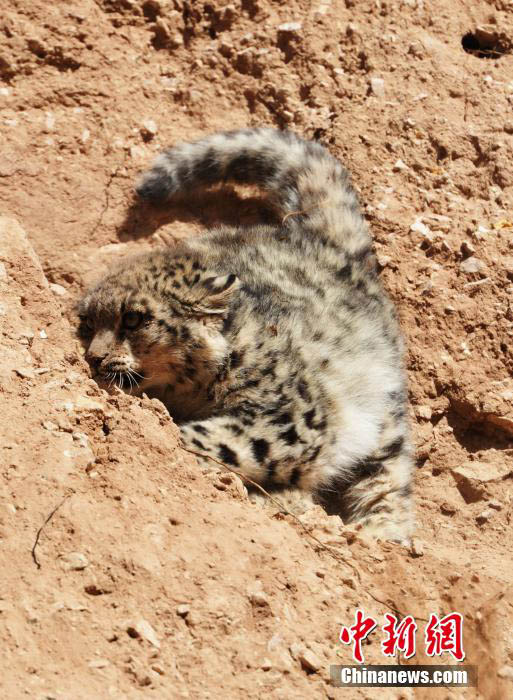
[{"x": 150, "y": 576}]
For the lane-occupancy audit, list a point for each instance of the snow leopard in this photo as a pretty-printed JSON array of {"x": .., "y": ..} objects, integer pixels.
[{"x": 274, "y": 347}]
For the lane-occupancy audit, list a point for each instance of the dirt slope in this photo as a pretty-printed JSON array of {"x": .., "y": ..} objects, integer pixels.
[{"x": 156, "y": 579}]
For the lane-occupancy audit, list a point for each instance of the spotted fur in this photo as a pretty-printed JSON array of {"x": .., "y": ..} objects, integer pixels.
[{"x": 275, "y": 348}]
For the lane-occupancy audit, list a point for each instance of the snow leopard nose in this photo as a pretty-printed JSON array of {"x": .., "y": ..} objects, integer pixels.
[{"x": 99, "y": 348}]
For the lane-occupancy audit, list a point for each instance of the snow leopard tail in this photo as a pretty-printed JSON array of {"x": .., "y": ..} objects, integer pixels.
[{"x": 302, "y": 177}]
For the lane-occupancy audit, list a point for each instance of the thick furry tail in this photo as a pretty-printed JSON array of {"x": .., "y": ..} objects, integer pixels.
[{"x": 301, "y": 176}]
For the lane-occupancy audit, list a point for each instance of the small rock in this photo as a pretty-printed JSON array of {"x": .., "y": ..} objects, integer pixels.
[
  {"x": 383, "y": 260},
  {"x": 259, "y": 599},
  {"x": 26, "y": 337},
  {"x": 473, "y": 478},
  {"x": 296, "y": 649},
  {"x": 399, "y": 165},
  {"x": 290, "y": 27},
  {"x": 256, "y": 594},
  {"x": 25, "y": 372},
  {"x": 183, "y": 610},
  {"x": 80, "y": 438},
  {"x": 496, "y": 505},
  {"x": 377, "y": 86},
  {"x": 506, "y": 672},
  {"x": 85, "y": 403},
  {"x": 98, "y": 663},
  {"x": 142, "y": 628},
  {"x": 309, "y": 661},
  {"x": 424, "y": 412},
  {"x": 472, "y": 265},
  {"x": 58, "y": 289},
  {"x": 416, "y": 548},
  {"x": 447, "y": 508},
  {"x": 419, "y": 227},
  {"x": 143, "y": 679},
  {"x": 266, "y": 665},
  {"x": 43, "y": 334},
  {"x": 148, "y": 129},
  {"x": 74, "y": 561},
  {"x": 49, "y": 121},
  {"x": 349, "y": 581},
  {"x": 467, "y": 248},
  {"x": 484, "y": 517}
]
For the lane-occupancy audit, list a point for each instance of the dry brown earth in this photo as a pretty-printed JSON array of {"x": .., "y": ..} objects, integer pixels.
[{"x": 153, "y": 579}]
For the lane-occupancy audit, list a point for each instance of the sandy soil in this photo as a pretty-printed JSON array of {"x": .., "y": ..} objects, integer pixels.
[{"x": 151, "y": 578}]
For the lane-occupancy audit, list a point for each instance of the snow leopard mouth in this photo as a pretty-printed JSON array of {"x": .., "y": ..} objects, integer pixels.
[{"x": 126, "y": 380}]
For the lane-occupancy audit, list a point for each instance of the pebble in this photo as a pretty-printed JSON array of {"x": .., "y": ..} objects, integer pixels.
[
  {"x": 142, "y": 628},
  {"x": 419, "y": 227},
  {"x": 183, "y": 610},
  {"x": 259, "y": 598},
  {"x": 309, "y": 661},
  {"x": 506, "y": 672},
  {"x": 472, "y": 478},
  {"x": 296, "y": 649},
  {"x": 148, "y": 129},
  {"x": 25, "y": 372},
  {"x": 472, "y": 265},
  {"x": 467, "y": 248},
  {"x": 266, "y": 665},
  {"x": 448, "y": 508},
  {"x": 49, "y": 121},
  {"x": 256, "y": 594},
  {"x": 84, "y": 403},
  {"x": 98, "y": 663},
  {"x": 58, "y": 289},
  {"x": 496, "y": 505},
  {"x": 377, "y": 86},
  {"x": 484, "y": 516},
  {"x": 74, "y": 561},
  {"x": 424, "y": 412},
  {"x": 26, "y": 337},
  {"x": 290, "y": 27},
  {"x": 399, "y": 165},
  {"x": 416, "y": 548}
]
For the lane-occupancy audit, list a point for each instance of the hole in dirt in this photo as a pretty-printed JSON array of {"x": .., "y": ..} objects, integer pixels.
[{"x": 486, "y": 43}]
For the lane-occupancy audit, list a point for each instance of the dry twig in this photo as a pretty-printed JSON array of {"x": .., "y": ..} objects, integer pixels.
[{"x": 38, "y": 535}]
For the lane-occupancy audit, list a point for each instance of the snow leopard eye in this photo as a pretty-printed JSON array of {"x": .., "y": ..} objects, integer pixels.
[
  {"x": 86, "y": 323},
  {"x": 132, "y": 320}
]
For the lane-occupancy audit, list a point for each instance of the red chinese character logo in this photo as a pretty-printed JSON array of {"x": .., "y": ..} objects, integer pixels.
[
  {"x": 399, "y": 636},
  {"x": 362, "y": 627},
  {"x": 445, "y": 635}
]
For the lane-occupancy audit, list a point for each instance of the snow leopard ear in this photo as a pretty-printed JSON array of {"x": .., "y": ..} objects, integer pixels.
[{"x": 219, "y": 291}]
